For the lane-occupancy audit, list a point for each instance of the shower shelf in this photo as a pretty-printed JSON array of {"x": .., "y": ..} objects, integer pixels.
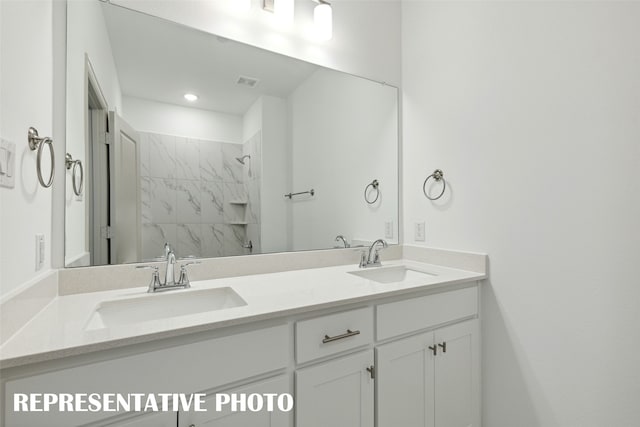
[
  {"x": 238, "y": 223},
  {"x": 238, "y": 202}
]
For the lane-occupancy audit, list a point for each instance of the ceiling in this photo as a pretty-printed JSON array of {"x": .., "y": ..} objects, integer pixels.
[{"x": 161, "y": 61}]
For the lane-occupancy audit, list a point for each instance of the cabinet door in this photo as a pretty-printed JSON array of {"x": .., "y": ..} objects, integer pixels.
[
  {"x": 405, "y": 382},
  {"x": 338, "y": 393},
  {"x": 457, "y": 376},
  {"x": 228, "y": 418},
  {"x": 159, "y": 419}
]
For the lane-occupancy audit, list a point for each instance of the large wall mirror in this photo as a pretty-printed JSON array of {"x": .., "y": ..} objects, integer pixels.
[{"x": 209, "y": 176}]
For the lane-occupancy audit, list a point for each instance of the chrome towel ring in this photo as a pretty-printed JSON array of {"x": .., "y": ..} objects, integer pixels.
[
  {"x": 374, "y": 186},
  {"x": 437, "y": 175},
  {"x": 77, "y": 189},
  {"x": 37, "y": 143}
]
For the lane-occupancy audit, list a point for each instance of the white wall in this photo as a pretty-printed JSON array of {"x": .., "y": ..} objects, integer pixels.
[
  {"x": 366, "y": 35},
  {"x": 338, "y": 159},
  {"x": 276, "y": 175},
  {"x": 532, "y": 109},
  {"x": 87, "y": 36},
  {"x": 25, "y": 100},
  {"x": 168, "y": 119},
  {"x": 268, "y": 115}
]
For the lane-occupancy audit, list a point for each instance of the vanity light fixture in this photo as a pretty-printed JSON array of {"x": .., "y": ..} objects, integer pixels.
[
  {"x": 281, "y": 9},
  {"x": 323, "y": 20},
  {"x": 190, "y": 97}
]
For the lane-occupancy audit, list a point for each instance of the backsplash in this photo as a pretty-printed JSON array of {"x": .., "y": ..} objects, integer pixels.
[{"x": 192, "y": 193}]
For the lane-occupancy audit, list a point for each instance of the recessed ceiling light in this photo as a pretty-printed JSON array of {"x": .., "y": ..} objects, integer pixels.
[{"x": 190, "y": 97}]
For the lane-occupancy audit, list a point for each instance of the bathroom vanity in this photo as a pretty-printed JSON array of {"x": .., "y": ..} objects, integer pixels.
[{"x": 386, "y": 346}]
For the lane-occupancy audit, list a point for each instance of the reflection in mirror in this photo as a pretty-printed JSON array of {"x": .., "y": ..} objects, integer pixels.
[{"x": 209, "y": 174}]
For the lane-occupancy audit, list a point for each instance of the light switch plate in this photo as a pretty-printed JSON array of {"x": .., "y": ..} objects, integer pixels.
[
  {"x": 388, "y": 230},
  {"x": 8, "y": 164}
]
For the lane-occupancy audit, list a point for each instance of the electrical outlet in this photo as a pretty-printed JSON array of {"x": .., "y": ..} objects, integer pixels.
[
  {"x": 419, "y": 232},
  {"x": 39, "y": 251},
  {"x": 388, "y": 230}
]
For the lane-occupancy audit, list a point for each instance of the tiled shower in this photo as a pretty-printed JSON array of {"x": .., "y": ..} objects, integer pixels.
[{"x": 198, "y": 197}]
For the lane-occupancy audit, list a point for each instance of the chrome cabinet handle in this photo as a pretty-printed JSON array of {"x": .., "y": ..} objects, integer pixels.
[
  {"x": 443, "y": 346},
  {"x": 348, "y": 334},
  {"x": 434, "y": 349}
]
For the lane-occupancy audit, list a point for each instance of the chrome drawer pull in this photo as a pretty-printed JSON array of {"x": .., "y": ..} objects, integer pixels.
[{"x": 348, "y": 334}]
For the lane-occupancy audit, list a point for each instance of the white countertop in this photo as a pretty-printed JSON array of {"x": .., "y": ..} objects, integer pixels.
[{"x": 59, "y": 329}]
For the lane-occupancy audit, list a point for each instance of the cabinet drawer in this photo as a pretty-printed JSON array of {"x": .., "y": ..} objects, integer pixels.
[
  {"x": 185, "y": 368},
  {"x": 411, "y": 315},
  {"x": 331, "y": 334}
]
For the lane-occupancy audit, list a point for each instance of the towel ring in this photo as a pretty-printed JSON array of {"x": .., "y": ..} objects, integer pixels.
[
  {"x": 437, "y": 175},
  {"x": 37, "y": 143},
  {"x": 77, "y": 190},
  {"x": 374, "y": 185}
]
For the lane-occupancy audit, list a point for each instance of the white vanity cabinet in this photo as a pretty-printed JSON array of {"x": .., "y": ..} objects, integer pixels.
[
  {"x": 408, "y": 360},
  {"x": 431, "y": 379},
  {"x": 229, "y": 418},
  {"x": 424, "y": 375},
  {"x": 336, "y": 393}
]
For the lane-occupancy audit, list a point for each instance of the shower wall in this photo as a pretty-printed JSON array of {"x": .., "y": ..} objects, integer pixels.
[
  {"x": 252, "y": 177},
  {"x": 191, "y": 190}
]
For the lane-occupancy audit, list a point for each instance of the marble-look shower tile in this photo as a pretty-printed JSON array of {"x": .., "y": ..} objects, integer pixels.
[
  {"x": 234, "y": 191},
  {"x": 154, "y": 236},
  {"x": 210, "y": 160},
  {"x": 253, "y": 149},
  {"x": 144, "y": 154},
  {"x": 212, "y": 202},
  {"x": 188, "y": 203},
  {"x": 162, "y": 193},
  {"x": 252, "y": 211},
  {"x": 187, "y": 159},
  {"x": 145, "y": 200},
  {"x": 234, "y": 237},
  {"x": 162, "y": 156},
  {"x": 212, "y": 240},
  {"x": 232, "y": 169},
  {"x": 189, "y": 240},
  {"x": 253, "y": 235}
]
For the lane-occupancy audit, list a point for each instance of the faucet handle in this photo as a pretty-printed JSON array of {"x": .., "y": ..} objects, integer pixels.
[
  {"x": 184, "y": 279},
  {"x": 155, "y": 277}
]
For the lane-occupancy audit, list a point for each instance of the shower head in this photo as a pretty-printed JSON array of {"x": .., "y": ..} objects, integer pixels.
[{"x": 241, "y": 159}]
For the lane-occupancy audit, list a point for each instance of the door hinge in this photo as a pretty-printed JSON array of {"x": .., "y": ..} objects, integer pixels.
[
  {"x": 106, "y": 232},
  {"x": 372, "y": 371},
  {"x": 108, "y": 138}
]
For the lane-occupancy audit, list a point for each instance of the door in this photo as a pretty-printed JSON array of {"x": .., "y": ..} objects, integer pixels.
[
  {"x": 338, "y": 393},
  {"x": 405, "y": 382},
  {"x": 125, "y": 192},
  {"x": 229, "y": 418},
  {"x": 457, "y": 375}
]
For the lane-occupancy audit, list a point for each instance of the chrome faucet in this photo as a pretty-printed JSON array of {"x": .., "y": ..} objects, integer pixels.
[
  {"x": 344, "y": 241},
  {"x": 170, "y": 274},
  {"x": 372, "y": 259}
]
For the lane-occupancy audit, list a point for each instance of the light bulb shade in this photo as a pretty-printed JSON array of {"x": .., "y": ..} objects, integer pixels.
[
  {"x": 283, "y": 11},
  {"x": 323, "y": 21}
]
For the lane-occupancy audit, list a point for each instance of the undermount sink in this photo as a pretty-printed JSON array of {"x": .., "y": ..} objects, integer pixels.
[
  {"x": 394, "y": 274},
  {"x": 162, "y": 306}
]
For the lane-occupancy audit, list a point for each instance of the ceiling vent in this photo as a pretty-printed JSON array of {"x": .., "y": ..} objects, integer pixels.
[{"x": 248, "y": 81}]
